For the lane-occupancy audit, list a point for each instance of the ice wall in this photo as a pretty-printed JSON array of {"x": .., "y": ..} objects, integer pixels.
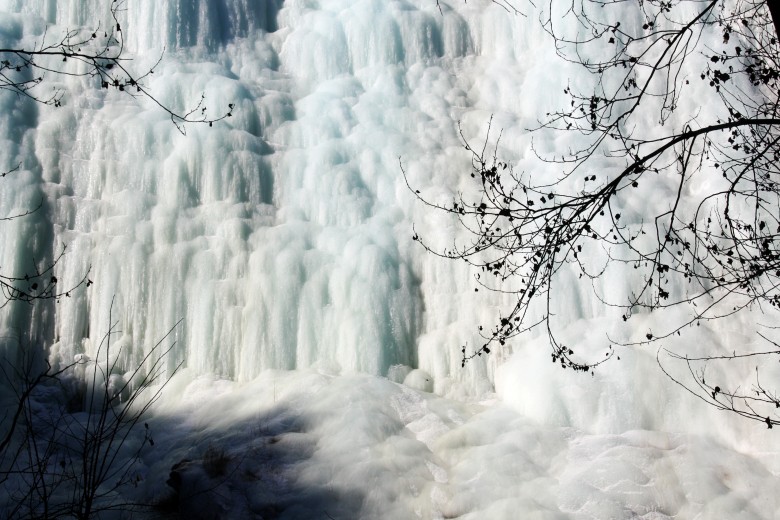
[{"x": 282, "y": 236}]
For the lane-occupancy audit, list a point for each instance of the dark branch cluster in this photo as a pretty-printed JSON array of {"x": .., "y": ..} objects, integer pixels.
[
  {"x": 98, "y": 54},
  {"x": 39, "y": 284},
  {"x": 751, "y": 403},
  {"x": 716, "y": 250},
  {"x": 42, "y": 284},
  {"x": 60, "y": 463},
  {"x": 520, "y": 235}
]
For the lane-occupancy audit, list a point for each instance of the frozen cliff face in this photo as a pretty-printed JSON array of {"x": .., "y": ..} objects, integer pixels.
[
  {"x": 281, "y": 235},
  {"x": 154, "y": 25}
]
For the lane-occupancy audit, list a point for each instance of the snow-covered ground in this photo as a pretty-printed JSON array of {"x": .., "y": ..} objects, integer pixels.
[
  {"x": 308, "y": 445},
  {"x": 282, "y": 237}
]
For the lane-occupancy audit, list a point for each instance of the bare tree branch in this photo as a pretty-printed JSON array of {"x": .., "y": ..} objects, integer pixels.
[{"x": 714, "y": 254}]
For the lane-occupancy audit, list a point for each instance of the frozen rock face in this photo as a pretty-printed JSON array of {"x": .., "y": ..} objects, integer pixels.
[{"x": 281, "y": 236}]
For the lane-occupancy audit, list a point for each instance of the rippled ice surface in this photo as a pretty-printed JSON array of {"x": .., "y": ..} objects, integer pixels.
[{"x": 307, "y": 445}]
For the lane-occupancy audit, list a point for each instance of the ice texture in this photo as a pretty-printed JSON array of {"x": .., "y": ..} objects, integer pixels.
[{"x": 321, "y": 345}]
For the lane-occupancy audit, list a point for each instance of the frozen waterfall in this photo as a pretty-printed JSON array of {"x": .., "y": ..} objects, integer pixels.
[{"x": 282, "y": 237}]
